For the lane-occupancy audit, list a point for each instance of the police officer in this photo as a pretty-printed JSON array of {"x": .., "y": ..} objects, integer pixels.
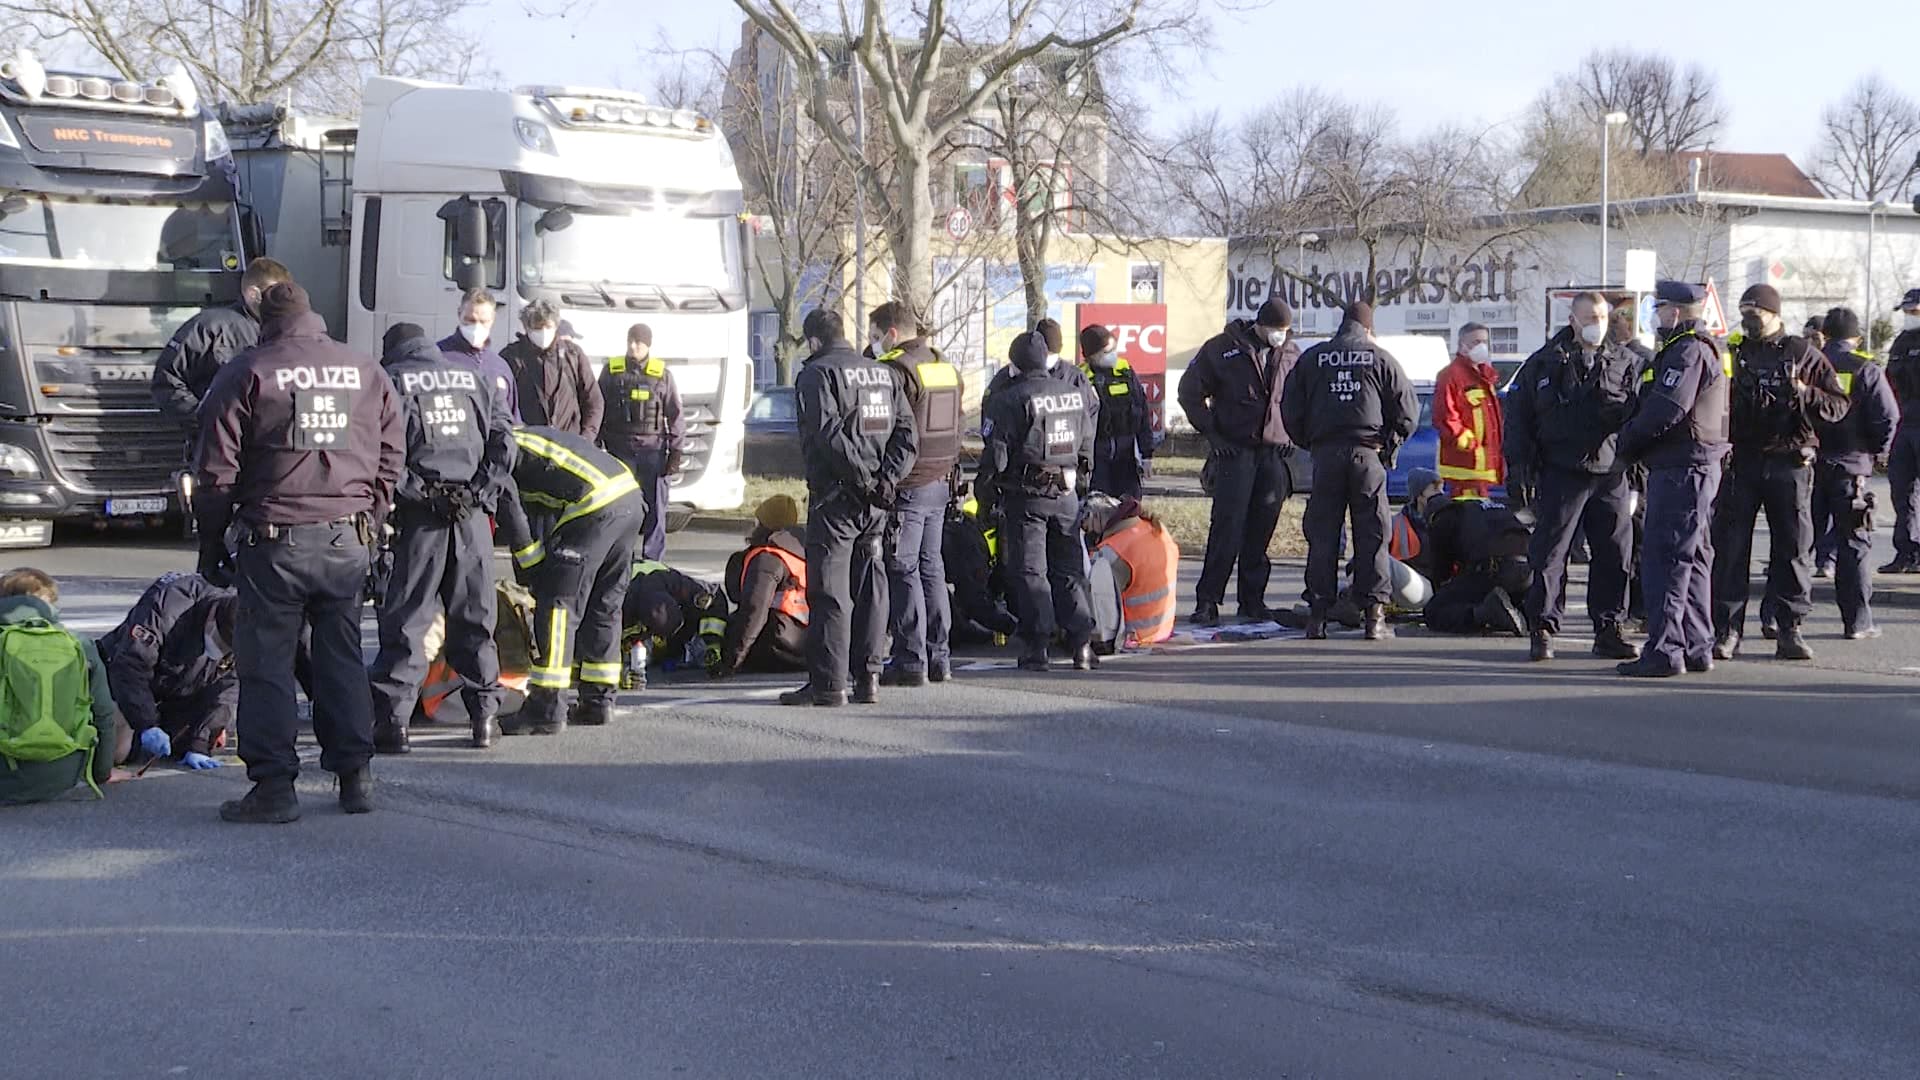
[
  {"x": 170, "y": 666},
  {"x": 858, "y": 437},
  {"x": 1348, "y": 401},
  {"x": 301, "y": 446},
  {"x": 643, "y": 427},
  {"x": 920, "y": 616},
  {"x": 1903, "y": 461},
  {"x": 1123, "y": 436},
  {"x": 1232, "y": 394},
  {"x": 577, "y": 567},
  {"x": 1680, "y": 433},
  {"x": 1564, "y": 413},
  {"x": 1847, "y": 451},
  {"x": 666, "y": 610},
  {"x": 459, "y": 463},
  {"x": 1781, "y": 387},
  {"x": 1051, "y": 339},
  {"x": 1035, "y": 465}
]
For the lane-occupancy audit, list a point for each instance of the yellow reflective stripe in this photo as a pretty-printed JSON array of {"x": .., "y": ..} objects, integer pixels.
[
  {"x": 560, "y": 456},
  {"x": 553, "y": 673},
  {"x": 637, "y": 394},
  {"x": 617, "y": 364},
  {"x": 647, "y": 566},
  {"x": 1846, "y": 382},
  {"x": 1647, "y": 376},
  {"x": 607, "y": 674},
  {"x": 613, "y": 489},
  {"x": 938, "y": 375},
  {"x": 1117, "y": 389},
  {"x": 890, "y": 354},
  {"x": 656, "y": 367},
  {"x": 541, "y": 498},
  {"x": 712, "y": 627},
  {"x": 531, "y": 554},
  {"x": 1455, "y": 472}
]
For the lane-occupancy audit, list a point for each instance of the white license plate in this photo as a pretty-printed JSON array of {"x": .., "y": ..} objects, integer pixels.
[{"x": 124, "y": 507}]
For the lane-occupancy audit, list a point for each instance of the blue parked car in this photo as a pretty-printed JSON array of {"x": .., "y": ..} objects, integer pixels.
[{"x": 1421, "y": 452}]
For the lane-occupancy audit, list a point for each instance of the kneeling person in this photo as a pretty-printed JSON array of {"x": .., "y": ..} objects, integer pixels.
[
  {"x": 666, "y": 611},
  {"x": 1479, "y": 560},
  {"x": 170, "y": 663},
  {"x": 768, "y": 584},
  {"x": 1133, "y": 566}
]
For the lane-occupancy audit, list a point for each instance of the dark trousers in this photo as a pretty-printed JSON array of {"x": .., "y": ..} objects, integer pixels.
[
  {"x": 1247, "y": 486},
  {"x": 650, "y": 468},
  {"x": 1850, "y": 537},
  {"x": 1903, "y": 473},
  {"x": 1564, "y": 501},
  {"x": 1349, "y": 483},
  {"x": 781, "y": 647},
  {"x": 1047, "y": 563},
  {"x": 194, "y": 721},
  {"x": 580, "y": 593},
  {"x": 1677, "y": 564},
  {"x": 311, "y": 576},
  {"x": 1826, "y": 527},
  {"x": 920, "y": 614},
  {"x": 1116, "y": 468},
  {"x": 1454, "y": 607},
  {"x": 437, "y": 566},
  {"x": 846, "y": 589},
  {"x": 1782, "y": 486}
]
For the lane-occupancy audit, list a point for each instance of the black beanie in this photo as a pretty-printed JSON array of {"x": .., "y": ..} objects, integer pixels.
[
  {"x": 284, "y": 300},
  {"x": 1841, "y": 325},
  {"x": 1094, "y": 339},
  {"x": 1274, "y": 313},
  {"x": 398, "y": 335},
  {"x": 1764, "y": 297},
  {"x": 1028, "y": 352},
  {"x": 1360, "y": 312}
]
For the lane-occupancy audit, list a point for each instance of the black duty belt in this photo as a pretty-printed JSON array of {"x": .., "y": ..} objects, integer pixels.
[{"x": 361, "y": 523}]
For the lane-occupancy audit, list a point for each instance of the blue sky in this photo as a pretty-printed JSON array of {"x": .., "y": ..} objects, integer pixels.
[{"x": 1435, "y": 64}]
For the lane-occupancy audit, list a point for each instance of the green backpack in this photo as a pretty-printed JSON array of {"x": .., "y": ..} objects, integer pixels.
[{"x": 46, "y": 705}]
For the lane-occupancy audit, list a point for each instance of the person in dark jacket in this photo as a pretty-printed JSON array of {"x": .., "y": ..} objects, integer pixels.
[
  {"x": 1903, "y": 461},
  {"x": 1348, "y": 401},
  {"x": 555, "y": 383},
  {"x": 920, "y": 615},
  {"x": 1848, "y": 448},
  {"x": 1679, "y": 432},
  {"x": 1051, "y": 337},
  {"x": 1781, "y": 388},
  {"x": 767, "y": 582},
  {"x": 978, "y": 580},
  {"x": 644, "y": 428},
  {"x": 187, "y": 365},
  {"x": 667, "y": 611},
  {"x": 472, "y": 344},
  {"x": 1477, "y": 552},
  {"x": 1564, "y": 412},
  {"x": 1123, "y": 435},
  {"x": 1232, "y": 394},
  {"x": 170, "y": 663},
  {"x": 859, "y": 440}
]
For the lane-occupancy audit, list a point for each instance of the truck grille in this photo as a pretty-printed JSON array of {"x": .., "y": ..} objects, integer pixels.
[{"x": 116, "y": 453}]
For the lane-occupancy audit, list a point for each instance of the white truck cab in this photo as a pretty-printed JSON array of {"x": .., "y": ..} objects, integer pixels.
[{"x": 616, "y": 211}]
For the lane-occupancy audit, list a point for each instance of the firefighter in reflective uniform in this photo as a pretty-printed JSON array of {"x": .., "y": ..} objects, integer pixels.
[
  {"x": 979, "y": 585},
  {"x": 1466, "y": 416},
  {"x": 1036, "y": 463},
  {"x": 666, "y": 610},
  {"x": 577, "y": 571},
  {"x": 1845, "y": 469},
  {"x": 459, "y": 462},
  {"x": 643, "y": 427},
  {"x": 1123, "y": 436},
  {"x": 301, "y": 446},
  {"x": 920, "y": 613},
  {"x": 768, "y": 585},
  {"x": 1131, "y": 579}
]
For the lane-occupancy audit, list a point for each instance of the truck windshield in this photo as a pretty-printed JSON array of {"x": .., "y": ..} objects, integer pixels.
[
  {"x": 108, "y": 234},
  {"x": 100, "y": 326},
  {"x": 648, "y": 249}
]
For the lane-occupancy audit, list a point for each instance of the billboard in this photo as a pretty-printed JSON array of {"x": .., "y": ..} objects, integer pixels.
[{"x": 1140, "y": 337}]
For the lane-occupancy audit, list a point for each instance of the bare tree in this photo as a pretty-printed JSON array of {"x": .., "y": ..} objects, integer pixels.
[
  {"x": 1669, "y": 109},
  {"x": 1560, "y": 143},
  {"x": 1868, "y": 142},
  {"x": 920, "y": 95},
  {"x": 315, "y": 53}
]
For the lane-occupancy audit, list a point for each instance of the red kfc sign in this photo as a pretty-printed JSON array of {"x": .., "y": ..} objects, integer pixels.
[{"x": 1140, "y": 337}]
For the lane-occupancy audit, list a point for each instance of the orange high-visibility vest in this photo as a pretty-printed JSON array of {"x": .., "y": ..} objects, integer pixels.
[
  {"x": 1147, "y": 603},
  {"x": 792, "y": 600},
  {"x": 1404, "y": 544}
]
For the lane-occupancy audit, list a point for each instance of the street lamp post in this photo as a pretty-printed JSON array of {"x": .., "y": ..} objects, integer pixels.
[
  {"x": 1300, "y": 263},
  {"x": 1609, "y": 122},
  {"x": 1879, "y": 206}
]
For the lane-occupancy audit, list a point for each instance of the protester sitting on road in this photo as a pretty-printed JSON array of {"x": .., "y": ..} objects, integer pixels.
[
  {"x": 170, "y": 663},
  {"x": 767, "y": 582},
  {"x": 1131, "y": 575},
  {"x": 970, "y": 549},
  {"x": 667, "y": 611},
  {"x": 1407, "y": 536},
  {"x": 58, "y": 724}
]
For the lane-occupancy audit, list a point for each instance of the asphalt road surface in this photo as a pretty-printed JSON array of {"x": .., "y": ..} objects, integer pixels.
[{"x": 1423, "y": 859}]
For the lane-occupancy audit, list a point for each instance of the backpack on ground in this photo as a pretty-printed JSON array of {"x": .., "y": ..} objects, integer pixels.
[{"x": 46, "y": 704}]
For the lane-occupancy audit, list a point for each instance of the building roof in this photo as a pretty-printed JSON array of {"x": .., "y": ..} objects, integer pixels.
[{"x": 1747, "y": 174}]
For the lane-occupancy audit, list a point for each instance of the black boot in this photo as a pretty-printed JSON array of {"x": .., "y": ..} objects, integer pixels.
[
  {"x": 1205, "y": 614},
  {"x": 1377, "y": 628},
  {"x": 1791, "y": 645},
  {"x": 939, "y": 671},
  {"x": 808, "y": 696},
  {"x": 356, "y": 790},
  {"x": 485, "y": 730},
  {"x": 866, "y": 689},
  {"x": 1611, "y": 644},
  {"x": 594, "y": 712},
  {"x": 1316, "y": 627},
  {"x": 1037, "y": 662},
  {"x": 1083, "y": 658},
  {"x": 894, "y": 676},
  {"x": 1542, "y": 647},
  {"x": 271, "y": 802},
  {"x": 1499, "y": 615},
  {"x": 391, "y": 739},
  {"x": 543, "y": 714}
]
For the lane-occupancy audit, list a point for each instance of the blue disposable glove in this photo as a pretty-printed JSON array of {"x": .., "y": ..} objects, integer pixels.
[
  {"x": 198, "y": 761},
  {"x": 156, "y": 743}
]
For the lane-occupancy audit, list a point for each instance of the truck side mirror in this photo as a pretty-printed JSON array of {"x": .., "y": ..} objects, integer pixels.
[
  {"x": 253, "y": 234},
  {"x": 469, "y": 226},
  {"x": 469, "y": 273}
]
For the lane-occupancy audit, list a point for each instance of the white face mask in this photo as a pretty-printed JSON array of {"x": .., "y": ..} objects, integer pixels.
[
  {"x": 1593, "y": 333},
  {"x": 1913, "y": 320},
  {"x": 475, "y": 333},
  {"x": 1276, "y": 338},
  {"x": 542, "y": 338},
  {"x": 1105, "y": 359},
  {"x": 1479, "y": 354}
]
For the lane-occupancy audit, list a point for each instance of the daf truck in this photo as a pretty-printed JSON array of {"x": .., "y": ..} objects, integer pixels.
[{"x": 118, "y": 221}]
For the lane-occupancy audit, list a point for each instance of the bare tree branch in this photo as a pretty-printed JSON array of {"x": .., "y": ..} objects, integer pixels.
[{"x": 1868, "y": 142}]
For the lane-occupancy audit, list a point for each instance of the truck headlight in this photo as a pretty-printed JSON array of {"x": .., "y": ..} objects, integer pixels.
[
  {"x": 534, "y": 135},
  {"x": 217, "y": 144},
  {"x": 15, "y": 461}
]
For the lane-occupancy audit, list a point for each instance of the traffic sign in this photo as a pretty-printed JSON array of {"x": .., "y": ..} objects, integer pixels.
[{"x": 959, "y": 223}]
